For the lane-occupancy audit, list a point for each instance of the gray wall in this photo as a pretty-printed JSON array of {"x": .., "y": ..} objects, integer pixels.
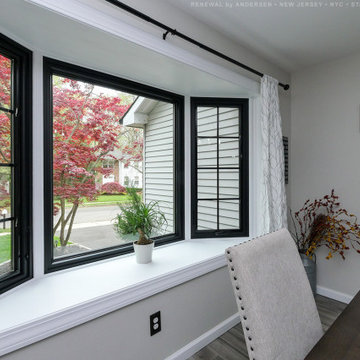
[
  {"x": 187, "y": 311},
  {"x": 325, "y": 150}
]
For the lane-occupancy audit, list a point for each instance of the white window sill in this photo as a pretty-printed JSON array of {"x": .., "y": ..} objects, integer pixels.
[{"x": 44, "y": 307}]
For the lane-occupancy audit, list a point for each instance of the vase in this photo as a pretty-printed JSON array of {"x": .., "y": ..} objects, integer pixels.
[
  {"x": 143, "y": 253},
  {"x": 310, "y": 268}
]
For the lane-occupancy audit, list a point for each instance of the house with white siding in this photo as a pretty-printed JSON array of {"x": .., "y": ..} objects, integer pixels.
[
  {"x": 126, "y": 175},
  {"x": 157, "y": 120}
]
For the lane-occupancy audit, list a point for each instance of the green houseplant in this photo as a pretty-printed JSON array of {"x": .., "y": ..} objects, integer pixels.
[{"x": 143, "y": 219}]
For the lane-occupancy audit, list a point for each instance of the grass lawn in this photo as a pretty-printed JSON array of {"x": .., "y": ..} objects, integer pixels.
[
  {"x": 57, "y": 241},
  {"x": 5, "y": 248},
  {"x": 109, "y": 200},
  {"x": 104, "y": 200}
]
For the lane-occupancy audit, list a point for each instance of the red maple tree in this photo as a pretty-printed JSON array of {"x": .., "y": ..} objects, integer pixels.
[
  {"x": 132, "y": 147},
  {"x": 86, "y": 130},
  {"x": 5, "y": 130}
]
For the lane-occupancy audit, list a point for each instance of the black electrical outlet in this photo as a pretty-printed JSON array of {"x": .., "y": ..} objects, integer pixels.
[{"x": 155, "y": 323}]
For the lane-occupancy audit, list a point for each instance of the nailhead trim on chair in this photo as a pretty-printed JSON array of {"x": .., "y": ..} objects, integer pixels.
[
  {"x": 236, "y": 285},
  {"x": 239, "y": 296}
]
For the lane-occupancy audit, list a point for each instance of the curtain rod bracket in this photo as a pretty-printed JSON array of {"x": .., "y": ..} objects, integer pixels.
[{"x": 165, "y": 34}]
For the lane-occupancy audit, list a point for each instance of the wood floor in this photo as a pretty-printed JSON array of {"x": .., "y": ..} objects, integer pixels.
[{"x": 231, "y": 345}]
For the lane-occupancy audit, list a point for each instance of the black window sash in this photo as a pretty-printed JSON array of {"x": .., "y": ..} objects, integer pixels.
[
  {"x": 243, "y": 106},
  {"x": 21, "y": 163},
  {"x": 59, "y": 68}
]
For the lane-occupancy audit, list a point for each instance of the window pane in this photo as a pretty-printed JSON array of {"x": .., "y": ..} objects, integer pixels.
[
  {"x": 15, "y": 163},
  {"x": 5, "y": 192},
  {"x": 92, "y": 156},
  {"x": 207, "y": 121},
  {"x": 228, "y": 184},
  {"x": 6, "y": 244},
  {"x": 207, "y": 184},
  {"x": 6, "y": 258},
  {"x": 5, "y": 81},
  {"x": 228, "y": 152},
  {"x": 229, "y": 214},
  {"x": 207, "y": 152},
  {"x": 219, "y": 166},
  {"x": 228, "y": 122},
  {"x": 207, "y": 215},
  {"x": 95, "y": 158},
  {"x": 5, "y": 137}
]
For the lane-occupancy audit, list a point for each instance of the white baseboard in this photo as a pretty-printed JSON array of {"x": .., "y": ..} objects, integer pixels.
[
  {"x": 205, "y": 339},
  {"x": 333, "y": 294}
]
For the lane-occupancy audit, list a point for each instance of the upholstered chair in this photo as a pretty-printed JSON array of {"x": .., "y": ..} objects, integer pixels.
[{"x": 277, "y": 308}]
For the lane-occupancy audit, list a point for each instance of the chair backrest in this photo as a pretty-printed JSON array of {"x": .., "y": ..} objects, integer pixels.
[{"x": 277, "y": 308}]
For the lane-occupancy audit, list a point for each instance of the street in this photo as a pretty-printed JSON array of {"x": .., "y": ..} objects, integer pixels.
[{"x": 93, "y": 229}]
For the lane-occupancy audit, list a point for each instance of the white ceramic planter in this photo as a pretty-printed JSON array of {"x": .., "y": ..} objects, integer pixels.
[{"x": 143, "y": 253}]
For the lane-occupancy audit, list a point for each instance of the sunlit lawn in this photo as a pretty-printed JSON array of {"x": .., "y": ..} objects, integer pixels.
[
  {"x": 109, "y": 200},
  {"x": 5, "y": 248},
  {"x": 104, "y": 200}
]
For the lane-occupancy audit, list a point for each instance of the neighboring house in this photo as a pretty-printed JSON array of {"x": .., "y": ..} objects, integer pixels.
[
  {"x": 157, "y": 120},
  {"x": 124, "y": 175}
]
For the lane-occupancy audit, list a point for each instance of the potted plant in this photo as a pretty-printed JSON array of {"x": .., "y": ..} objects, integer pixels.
[
  {"x": 142, "y": 219},
  {"x": 324, "y": 223}
]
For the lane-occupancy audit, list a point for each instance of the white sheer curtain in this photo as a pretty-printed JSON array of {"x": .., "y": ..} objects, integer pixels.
[{"x": 273, "y": 197}]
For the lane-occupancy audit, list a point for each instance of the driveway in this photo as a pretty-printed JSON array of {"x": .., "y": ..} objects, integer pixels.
[
  {"x": 96, "y": 213},
  {"x": 94, "y": 228}
]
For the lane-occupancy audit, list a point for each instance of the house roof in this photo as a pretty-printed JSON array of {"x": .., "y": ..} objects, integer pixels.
[{"x": 139, "y": 109}]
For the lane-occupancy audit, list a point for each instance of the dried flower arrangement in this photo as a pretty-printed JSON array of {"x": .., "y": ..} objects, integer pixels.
[{"x": 323, "y": 222}]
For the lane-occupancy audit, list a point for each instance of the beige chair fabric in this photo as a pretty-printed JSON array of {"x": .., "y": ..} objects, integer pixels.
[{"x": 277, "y": 308}]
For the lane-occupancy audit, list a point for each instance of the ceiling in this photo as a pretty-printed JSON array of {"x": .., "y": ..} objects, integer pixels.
[
  {"x": 293, "y": 37},
  {"x": 62, "y": 38}
]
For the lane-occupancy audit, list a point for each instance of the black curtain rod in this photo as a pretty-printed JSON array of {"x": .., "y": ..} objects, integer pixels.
[{"x": 171, "y": 31}]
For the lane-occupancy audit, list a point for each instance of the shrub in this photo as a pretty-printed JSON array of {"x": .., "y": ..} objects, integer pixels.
[{"x": 113, "y": 188}]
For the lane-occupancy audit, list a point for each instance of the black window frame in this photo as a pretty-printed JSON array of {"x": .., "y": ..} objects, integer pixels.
[
  {"x": 75, "y": 72},
  {"x": 243, "y": 106},
  {"x": 21, "y": 111}
]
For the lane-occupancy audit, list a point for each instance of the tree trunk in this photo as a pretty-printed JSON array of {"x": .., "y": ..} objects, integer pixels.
[
  {"x": 63, "y": 221},
  {"x": 143, "y": 239},
  {"x": 74, "y": 209}
]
